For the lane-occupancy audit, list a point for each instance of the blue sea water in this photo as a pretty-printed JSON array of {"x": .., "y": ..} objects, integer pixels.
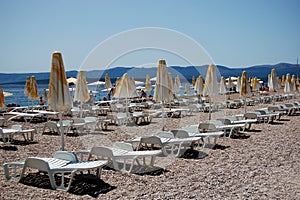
[{"x": 19, "y": 98}]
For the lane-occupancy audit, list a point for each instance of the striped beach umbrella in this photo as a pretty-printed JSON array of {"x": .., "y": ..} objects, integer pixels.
[
  {"x": 27, "y": 86},
  {"x": 288, "y": 84},
  {"x": 177, "y": 85},
  {"x": 107, "y": 81},
  {"x": 273, "y": 81},
  {"x": 81, "y": 91},
  {"x": 244, "y": 88},
  {"x": 148, "y": 86}
]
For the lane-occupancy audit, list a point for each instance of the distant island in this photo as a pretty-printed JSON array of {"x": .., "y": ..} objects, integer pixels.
[{"x": 185, "y": 73}]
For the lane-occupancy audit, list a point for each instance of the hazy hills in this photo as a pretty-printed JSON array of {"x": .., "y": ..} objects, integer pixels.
[{"x": 185, "y": 73}]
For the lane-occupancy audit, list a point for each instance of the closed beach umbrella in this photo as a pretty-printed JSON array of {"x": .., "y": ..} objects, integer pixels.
[
  {"x": 45, "y": 93},
  {"x": 34, "y": 92},
  {"x": 187, "y": 88},
  {"x": 278, "y": 83},
  {"x": 107, "y": 82},
  {"x": 27, "y": 86},
  {"x": 59, "y": 98},
  {"x": 238, "y": 84},
  {"x": 288, "y": 84},
  {"x": 222, "y": 86},
  {"x": 2, "y": 104},
  {"x": 193, "y": 81},
  {"x": 293, "y": 83},
  {"x": 170, "y": 83},
  {"x": 125, "y": 88},
  {"x": 177, "y": 85},
  {"x": 273, "y": 81},
  {"x": 282, "y": 80},
  {"x": 81, "y": 91},
  {"x": 230, "y": 83},
  {"x": 148, "y": 86},
  {"x": 199, "y": 85},
  {"x": 211, "y": 85},
  {"x": 244, "y": 87},
  {"x": 162, "y": 92}
]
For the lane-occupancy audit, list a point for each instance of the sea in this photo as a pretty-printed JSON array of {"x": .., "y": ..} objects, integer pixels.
[{"x": 18, "y": 97}]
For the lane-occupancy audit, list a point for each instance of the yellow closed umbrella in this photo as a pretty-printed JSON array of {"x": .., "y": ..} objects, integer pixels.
[
  {"x": 282, "y": 80},
  {"x": 244, "y": 88},
  {"x": 193, "y": 81},
  {"x": 59, "y": 98},
  {"x": 34, "y": 92},
  {"x": 187, "y": 88},
  {"x": 27, "y": 86}
]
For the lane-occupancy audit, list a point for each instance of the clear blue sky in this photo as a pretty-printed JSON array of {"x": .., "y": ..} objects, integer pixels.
[{"x": 235, "y": 33}]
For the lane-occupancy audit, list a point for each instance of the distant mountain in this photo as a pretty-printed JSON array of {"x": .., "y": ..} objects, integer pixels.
[{"x": 185, "y": 73}]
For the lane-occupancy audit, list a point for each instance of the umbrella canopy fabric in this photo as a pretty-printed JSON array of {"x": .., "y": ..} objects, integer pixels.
[
  {"x": 107, "y": 81},
  {"x": 170, "y": 83},
  {"x": 244, "y": 84},
  {"x": 273, "y": 81},
  {"x": 288, "y": 84},
  {"x": 162, "y": 91},
  {"x": 282, "y": 80},
  {"x": 27, "y": 86},
  {"x": 7, "y": 94},
  {"x": 2, "y": 104},
  {"x": 255, "y": 84},
  {"x": 34, "y": 92},
  {"x": 222, "y": 86},
  {"x": 125, "y": 88},
  {"x": 193, "y": 81},
  {"x": 238, "y": 84},
  {"x": 199, "y": 85},
  {"x": 148, "y": 86},
  {"x": 211, "y": 85},
  {"x": 187, "y": 88},
  {"x": 230, "y": 83},
  {"x": 176, "y": 85},
  {"x": 81, "y": 90},
  {"x": 293, "y": 83},
  {"x": 59, "y": 98}
]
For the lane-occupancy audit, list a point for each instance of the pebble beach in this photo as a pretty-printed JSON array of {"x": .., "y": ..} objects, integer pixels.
[{"x": 261, "y": 163}]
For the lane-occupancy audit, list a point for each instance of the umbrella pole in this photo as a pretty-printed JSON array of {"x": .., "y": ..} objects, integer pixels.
[
  {"x": 245, "y": 106},
  {"x": 162, "y": 113},
  {"x": 61, "y": 132},
  {"x": 209, "y": 114}
]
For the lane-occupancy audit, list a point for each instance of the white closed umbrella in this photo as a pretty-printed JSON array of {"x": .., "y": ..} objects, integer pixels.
[
  {"x": 59, "y": 98},
  {"x": 273, "y": 81},
  {"x": 199, "y": 85},
  {"x": 162, "y": 91},
  {"x": 148, "y": 86},
  {"x": 187, "y": 88},
  {"x": 293, "y": 83},
  {"x": 211, "y": 85},
  {"x": 125, "y": 88},
  {"x": 81, "y": 91},
  {"x": 238, "y": 84},
  {"x": 177, "y": 85},
  {"x": 107, "y": 82},
  {"x": 288, "y": 84},
  {"x": 222, "y": 86}
]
